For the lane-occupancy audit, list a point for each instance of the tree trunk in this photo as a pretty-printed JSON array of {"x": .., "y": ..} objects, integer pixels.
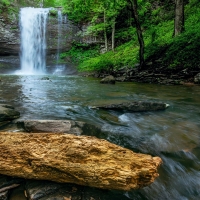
[
  {"x": 139, "y": 32},
  {"x": 179, "y": 17},
  {"x": 81, "y": 160},
  {"x": 105, "y": 32},
  {"x": 113, "y": 34}
]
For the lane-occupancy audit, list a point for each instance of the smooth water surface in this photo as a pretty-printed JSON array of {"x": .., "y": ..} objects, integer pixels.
[{"x": 173, "y": 134}]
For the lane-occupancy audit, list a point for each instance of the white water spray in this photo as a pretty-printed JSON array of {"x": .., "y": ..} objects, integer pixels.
[{"x": 33, "y": 40}]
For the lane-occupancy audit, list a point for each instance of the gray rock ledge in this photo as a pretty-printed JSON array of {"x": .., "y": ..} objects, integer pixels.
[
  {"x": 135, "y": 106},
  {"x": 57, "y": 126}
]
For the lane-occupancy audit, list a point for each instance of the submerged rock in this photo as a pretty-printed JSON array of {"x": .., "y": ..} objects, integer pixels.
[
  {"x": 7, "y": 113},
  {"x": 81, "y": 160},
  {"x": 136, "y": 106},
  {"x": 108, "y": 80}
]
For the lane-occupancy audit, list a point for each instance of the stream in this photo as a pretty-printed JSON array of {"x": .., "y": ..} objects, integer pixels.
[{"x": 173, "y": 134}]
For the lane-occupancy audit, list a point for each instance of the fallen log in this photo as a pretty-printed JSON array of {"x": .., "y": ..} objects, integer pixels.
[{"x": 82, "y": 160}]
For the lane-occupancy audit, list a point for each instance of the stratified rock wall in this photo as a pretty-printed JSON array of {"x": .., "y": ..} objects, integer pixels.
[
  {"x": 10, "y": 34},
  {"x": 68, "y": 34},
  {"x": 82, "y": 160}
]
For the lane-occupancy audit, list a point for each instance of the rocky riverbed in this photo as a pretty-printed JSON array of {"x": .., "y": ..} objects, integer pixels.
[
  {"x": 152, "y": 74},
  {"x": 12, "y": 188}
]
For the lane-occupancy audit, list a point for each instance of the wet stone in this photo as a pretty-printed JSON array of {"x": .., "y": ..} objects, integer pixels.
[
  {"x": 39, "y": 189},
  {"x": 139, "y": 106},
  {"x": 108, "y": 80},
  {"x": 8, "y": 113},
  {"x": 197, "y": 79},
  {"x": 47, "y": 190}
]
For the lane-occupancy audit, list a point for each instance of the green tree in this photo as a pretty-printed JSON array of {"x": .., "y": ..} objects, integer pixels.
[
  {"x": 134, "y": 7},
  {"x": 101, "y": 15}
]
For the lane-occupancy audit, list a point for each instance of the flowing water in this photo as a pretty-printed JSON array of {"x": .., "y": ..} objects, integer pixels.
[
  {"x": 33, "y": 40},
  {"x": 173, "y": 134},
  {"x": 60, "y": 20},
  {"x": 59, "y": 67}
]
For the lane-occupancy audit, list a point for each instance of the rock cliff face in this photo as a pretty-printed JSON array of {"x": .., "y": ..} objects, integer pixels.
[
  {"x": 10, "y": 34},
  {"x": 67, "y": 34},
  {"x": 82, "y": 160}
]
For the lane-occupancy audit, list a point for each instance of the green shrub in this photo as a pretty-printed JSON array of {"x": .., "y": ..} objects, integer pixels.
[{"x": 175, "y": 52}]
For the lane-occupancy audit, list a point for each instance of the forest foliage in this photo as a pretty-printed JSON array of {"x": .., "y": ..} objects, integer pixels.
[
  {"x": 115, "y": 43},
  {"x": 157, "y": 22}
]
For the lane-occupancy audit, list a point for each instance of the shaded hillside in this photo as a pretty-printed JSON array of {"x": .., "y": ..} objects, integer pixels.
[{"x": 164, "y": 53}]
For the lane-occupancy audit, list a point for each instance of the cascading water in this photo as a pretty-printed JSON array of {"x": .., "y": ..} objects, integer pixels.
[
  {"x": 65, "y": 19},
  {"x": 60, "y": 19},
  {"x": 33, "y": 40},
  {"x": 59, "y": 67}
]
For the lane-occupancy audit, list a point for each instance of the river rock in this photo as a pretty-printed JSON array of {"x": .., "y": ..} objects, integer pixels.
[
  {"x": 82, "y": 160},
  {"x": 197, "y": 79},
  {"x": 47, "y": 190},
  {"x": 7, "y": 113},
  {"x": 136, "y": 106},
  {"x": 58, "y": 126},
  {"x": 38, "y": 189},
  {"x": 108, "y": 80}
]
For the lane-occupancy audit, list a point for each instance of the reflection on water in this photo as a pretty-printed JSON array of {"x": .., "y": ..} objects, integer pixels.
[{"x": 174, "y": 134}]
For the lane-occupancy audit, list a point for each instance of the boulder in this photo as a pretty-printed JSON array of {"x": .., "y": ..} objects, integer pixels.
[
  {"x": 7, "y": 113},
  {"x": 108, "y": 80},
  {"x": 82, "y": 160},
  {"x": 58, "y": 126},
  {"x": 197, "y": 79},
  {"x": 135, "y": 106}
]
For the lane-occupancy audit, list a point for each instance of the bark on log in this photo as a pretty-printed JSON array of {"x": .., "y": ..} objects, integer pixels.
[{"x": 82, "y": 160}]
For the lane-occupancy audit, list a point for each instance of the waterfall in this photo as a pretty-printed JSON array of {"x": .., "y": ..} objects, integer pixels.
[
  {"x": 33, "y": 23},
  {"x": 65, "y": 19},
  {"x": 59, "y": 67},
  {"x": 60, "y": 20}
]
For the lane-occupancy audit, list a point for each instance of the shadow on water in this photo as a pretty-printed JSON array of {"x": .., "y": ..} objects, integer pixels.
[{"x": 173, "y": 134}]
